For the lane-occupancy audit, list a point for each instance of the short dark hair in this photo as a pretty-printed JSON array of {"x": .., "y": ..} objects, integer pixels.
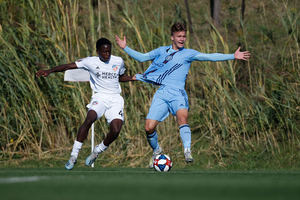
[
  {"x": 102, "y": 41},
  {"x": 178, "y": 27}
]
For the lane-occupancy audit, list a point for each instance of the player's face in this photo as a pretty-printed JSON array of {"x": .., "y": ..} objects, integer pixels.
[
  {"x": 104, "y": 52},
  {"x": 178, "y": 39}
]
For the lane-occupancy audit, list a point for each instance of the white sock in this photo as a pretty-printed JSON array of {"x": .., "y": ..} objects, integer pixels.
[
  {"x": 100, "y": 147},
  {"x": 187, "y": 149},
  {"x": 76, "y": 148}
]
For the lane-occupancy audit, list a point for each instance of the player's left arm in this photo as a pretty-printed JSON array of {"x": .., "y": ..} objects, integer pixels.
[
  {"x": 126, "y": 78},
  {"x": 215, "y": 57}
]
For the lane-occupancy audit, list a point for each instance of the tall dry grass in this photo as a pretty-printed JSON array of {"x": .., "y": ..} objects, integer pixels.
[{"x": 238, "y": 110}]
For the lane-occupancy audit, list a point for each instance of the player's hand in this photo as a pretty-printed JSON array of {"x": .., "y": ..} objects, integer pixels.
[
  {"x": 134, "y": 78},
  {"x": 121, "y": 43},
  {"x": 241, "y": 55},
  {"x": 42, "y": 73}
]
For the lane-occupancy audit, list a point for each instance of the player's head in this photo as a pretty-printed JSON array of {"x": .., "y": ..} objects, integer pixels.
[
  {"x": 177, "y": 27},
  {"x": 103, "y": 48},
  {"x": 178, "y": 35}
]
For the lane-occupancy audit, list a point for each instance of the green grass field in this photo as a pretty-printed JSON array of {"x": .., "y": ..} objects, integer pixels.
[{"x": 139, "y": 183}]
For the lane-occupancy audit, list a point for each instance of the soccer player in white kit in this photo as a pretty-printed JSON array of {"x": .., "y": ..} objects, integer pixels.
[{"x": 106, "y": 71}]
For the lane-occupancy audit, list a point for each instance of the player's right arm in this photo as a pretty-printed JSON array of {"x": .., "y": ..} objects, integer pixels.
[
  {"x": 60, "y": 68},
  {"x": 141, "y": 57},
  {"x": 126, "y": 78}
]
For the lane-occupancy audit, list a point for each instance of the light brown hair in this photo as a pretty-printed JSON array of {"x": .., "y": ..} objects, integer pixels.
[{"x": 178, "y": 27}]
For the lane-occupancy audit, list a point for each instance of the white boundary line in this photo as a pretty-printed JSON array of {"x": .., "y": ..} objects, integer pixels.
[{"x": 22, "y": 179}]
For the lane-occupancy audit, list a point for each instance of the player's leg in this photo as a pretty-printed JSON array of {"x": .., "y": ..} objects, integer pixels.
[
  {"x": 185, "y": 133},
  {"x": 150, "y": 128},
  {"x": 85, "y": 127},
  {"x": 151, "y": 134},
  {"x": 158, "y": 112},
  {"x": 81, "y": 136},
  {"x": 179, "y": 106},
  {"x": 96, "y": 110},
  {"x": 114, "y": 130},
  {"x": 115, "y": 117}
]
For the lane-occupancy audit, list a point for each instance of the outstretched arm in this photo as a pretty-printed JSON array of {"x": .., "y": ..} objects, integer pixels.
[
  {"x": 126, "y": 78},
  {"x": 60, "y": 68},
  {"x": 141, "y": 57},
  {"x": 241, "y": 55},
  {"x": 215, "y": 57}
]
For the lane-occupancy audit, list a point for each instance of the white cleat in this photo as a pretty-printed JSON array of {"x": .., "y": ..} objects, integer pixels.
[
  {"x": 91, "y": 158},
  {"x": 71, "y": 162},
  {"x": 154, "y": 154},
  {"x": 188, "y": 156}
]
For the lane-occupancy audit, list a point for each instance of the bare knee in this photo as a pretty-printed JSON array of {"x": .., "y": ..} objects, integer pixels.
[
  {"x": 115, "y": 127},
  {"x": 149, "y": 129},
  {"x": 150, "y": 126},
  {"x": 182, "y": 120},
  {"x": 182, "y": 116},
  {"x": 90, "y": 119}
]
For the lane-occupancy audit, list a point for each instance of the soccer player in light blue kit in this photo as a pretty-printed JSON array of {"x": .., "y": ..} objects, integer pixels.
[{"x": 169, "y": 69}]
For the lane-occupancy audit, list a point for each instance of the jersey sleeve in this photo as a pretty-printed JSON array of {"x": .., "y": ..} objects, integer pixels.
[
  {"x": 83, "y": 63},
  {"x": 214, "y": 57},
  {"x": 156, "y": 52},
  {"x": 122, "y": 68},
  {"x": 141, "y": 57}
]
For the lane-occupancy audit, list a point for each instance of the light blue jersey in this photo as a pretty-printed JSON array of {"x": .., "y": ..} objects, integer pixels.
[{"x": 170, "y": 67}]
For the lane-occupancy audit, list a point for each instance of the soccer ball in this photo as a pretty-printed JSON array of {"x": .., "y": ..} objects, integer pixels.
[{"x": 162, "y": 163}]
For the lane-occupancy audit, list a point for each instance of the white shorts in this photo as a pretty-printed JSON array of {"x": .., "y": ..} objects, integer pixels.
[{"x": 111, "y": 105}]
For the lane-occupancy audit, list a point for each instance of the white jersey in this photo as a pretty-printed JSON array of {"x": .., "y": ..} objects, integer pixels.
[{"x": 104, "y": 76}]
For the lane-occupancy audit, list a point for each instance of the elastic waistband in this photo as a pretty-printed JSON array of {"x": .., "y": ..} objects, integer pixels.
[
  {"x": 172, "y": 87},
  {"x": 109, "y": 94}
]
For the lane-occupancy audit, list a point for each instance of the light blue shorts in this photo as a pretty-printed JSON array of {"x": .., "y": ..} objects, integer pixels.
[{"x": 167, "y": 100}]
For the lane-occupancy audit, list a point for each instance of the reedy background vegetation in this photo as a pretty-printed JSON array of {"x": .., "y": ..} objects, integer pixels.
[{"x": 243, "y": 115}]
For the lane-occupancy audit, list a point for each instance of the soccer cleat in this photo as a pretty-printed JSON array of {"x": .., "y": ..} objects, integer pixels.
[
  {"x": 188, "y": 156},
  {"x": 91, "y": 158},
  {"x": 71, "y": 162},
  {"x": 154, "y": 154}
]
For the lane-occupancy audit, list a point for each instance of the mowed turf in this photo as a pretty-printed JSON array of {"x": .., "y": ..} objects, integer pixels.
[{"x": 143, "y": 184}]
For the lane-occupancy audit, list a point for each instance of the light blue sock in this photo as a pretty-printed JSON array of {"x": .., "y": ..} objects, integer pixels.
[
  {"x": 185, "y": 134},
  {"x": 152, "y": 140}
]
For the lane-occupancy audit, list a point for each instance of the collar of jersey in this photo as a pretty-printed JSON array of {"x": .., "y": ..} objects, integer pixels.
[{"x": 171, "y": 50}]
